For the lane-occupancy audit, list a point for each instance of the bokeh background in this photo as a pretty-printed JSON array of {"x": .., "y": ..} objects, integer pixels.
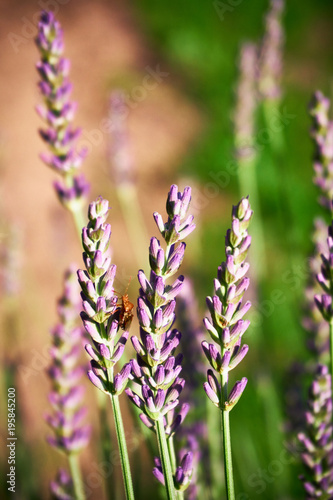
[{"x": 179, "y": 132}]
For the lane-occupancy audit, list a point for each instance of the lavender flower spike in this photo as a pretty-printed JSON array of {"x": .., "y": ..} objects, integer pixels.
[
  {"x": 226, "y": 326},
  {"x": 65, "y": 372},
  {"x": 317, "y": 442},
  {"x": 322, "y": 133},
  {"x": 156, "y": 369},
  {"x": 270, "y": 58},
  {"x": 324, "y": 301},
  {"x": 246, "y": 102},
  {"x": 103, "y": 320},
  {"x": 58, "y": 112}
]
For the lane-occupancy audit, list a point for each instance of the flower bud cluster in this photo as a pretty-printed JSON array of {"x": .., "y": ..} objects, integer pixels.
[
  {"x": 156, "y": 368},
  {"x": 100, "y": 313},
  {"x": 325, "y": 279},
  {"x": 317, "y": 442},
  {"x": 226, "y": 326},
  {"x": 58, "y": 112},
  {"x": 322, "y": 133},
  {"x": 65, "y": 372}
]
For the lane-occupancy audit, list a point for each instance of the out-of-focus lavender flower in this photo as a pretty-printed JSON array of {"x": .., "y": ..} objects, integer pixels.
[
  {"x": 58, "y": 112},
  {"x": 156, "y": 369},
  {"x": 102, "y": 318},
  {"x": 322, "y": 133},
  {"x": 270, "y": 56},
  {"x": 121, "y": 160},
  {"x": 317, "y": 440},
  {"x": 246, "y": 101},
  {"x": 11, "y": 257},
  {"x": 62, "y": 486},
  {"x": 188, "y": 321},
  {"x": 226, "y": 326},
  {"x": 183, "y": 474},
  {"x": 66, "y": 397},
  {"x": 195, "y": 433},
  {"x": 313, "y": 321},
  {"x": 325, "y": 279}
]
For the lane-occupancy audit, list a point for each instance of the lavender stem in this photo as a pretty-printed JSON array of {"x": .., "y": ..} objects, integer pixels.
[
  {"x": 165, "y": 459},
  {"x": 225, "y": 423},
  {"x": 76, "y": 476},
  {"x": 125, "y": 465},
  {"x": 173, "y": 461}
]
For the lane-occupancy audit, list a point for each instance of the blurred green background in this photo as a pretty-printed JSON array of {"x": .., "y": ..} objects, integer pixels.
[{"x": 204, "y": 51}]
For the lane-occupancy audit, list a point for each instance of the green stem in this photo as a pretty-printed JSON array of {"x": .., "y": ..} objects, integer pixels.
[
  {"x": 172, "y": 454},
  {"x": 79, "y": 221},
  {"x": 215, "y": 457},
  {"x": 165, "y": 459},
  {"x": 228, "y": 469},
  {"x": 76, "y": 476},
  {"x": 173, "y": 461},
  {"x": 125, "y": 465}
]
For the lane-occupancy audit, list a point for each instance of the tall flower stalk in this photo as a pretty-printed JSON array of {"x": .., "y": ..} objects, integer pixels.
[
  {"x": 246, "y": 147},
  {"x": 64, "y": 157},
  {"x": 226, "y": 327},
  {"x": 123, "y": 174},
  {"x": 70, "y": 435},
  {"x": 317, "y": 440},
  {"x": 324, "y": 301},
  {"x": 156, "y": 369},
  {"x": 322, "y": 133},
  {"x": 104, "y": 321},
  {"x": 271, "y": 58}
]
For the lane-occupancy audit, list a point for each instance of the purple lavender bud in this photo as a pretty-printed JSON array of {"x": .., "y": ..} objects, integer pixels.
[
  {"x": 235, "y": 393},
  {"x": 158, "y": 473},
  {"x": 121, "y": 379},
  {"x": 58, "y": 112}
]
